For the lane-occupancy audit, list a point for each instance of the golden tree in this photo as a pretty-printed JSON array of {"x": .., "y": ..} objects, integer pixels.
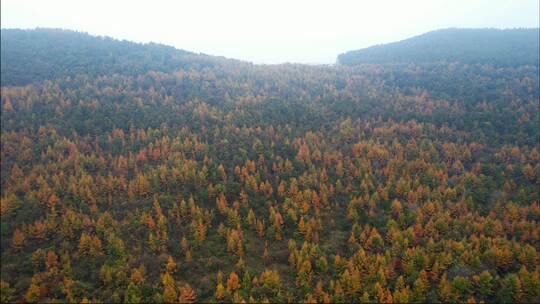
[{"x": 187, "y": 294}]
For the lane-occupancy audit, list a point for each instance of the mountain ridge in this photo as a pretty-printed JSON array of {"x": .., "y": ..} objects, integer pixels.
[
  {"x": 51, "y": 53},
  {"x": 498, "y": 47}
]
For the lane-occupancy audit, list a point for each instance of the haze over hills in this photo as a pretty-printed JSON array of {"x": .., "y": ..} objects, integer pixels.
[
  {"x": 509, "y": 47},
  {"x": 138, "y": 173},
  {"x": 34, "y": 55},
  {"x": 29, "y": 56}
]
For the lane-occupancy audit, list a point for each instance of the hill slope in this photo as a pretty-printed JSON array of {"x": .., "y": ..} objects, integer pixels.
[
  {"x": 30, "y": 56},
  {"x": 266, "y": 183},
  {"x": 512, "y": 47}
]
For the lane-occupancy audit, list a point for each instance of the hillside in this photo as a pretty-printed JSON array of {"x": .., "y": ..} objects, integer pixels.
[
  {"x": 30, "y": 56},
  {"x": 502, "y": 48},
  {"x": 183, "y": 178}
]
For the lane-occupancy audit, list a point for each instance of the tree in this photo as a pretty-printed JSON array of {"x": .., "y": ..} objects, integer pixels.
[
  {"x": 260, "y": 228},
  {"x": 38, "y": 230},
  {"x": 171, "y": 265},
  {"x": 52, "y": 201},
  {"x": 302, "y": 226},
  {"x": 461, "y": 287},
  {"x": 189, "y": 256},
  {"x": 33, "y": 293},
  {"x": 96, "y": 249},
  {"x": 137, "y": 275},
  {"x": 6, "y": 293},
  {"x": 281, "y": 189},
  {"x": 304, "y": 275},
  {"x": 244, "y": 198},
  {"x": 530, "y": 283},
  {"x": 18, "y": 240},
  {"x": 251, "y": 218},
  {"x": 169, "y": 291},
  {"x": 133, "y": 294},
  {"x": 169, "y": 294},
  {"x": 187, "y": 295},
  {"x": 8, "y": 106},
  {"x": 89, "y": 246},
  {"x": 510, "y": 290},
  {"x": 221, "y": 203},
  {"x": 365, "y": 298},
  {"x": 237, "y": 298},
  {"x": 233, "y": 282},
  {"x": 220, "y": 291},
  {"x": 38, "y": 257},
  {"x": 221, "y": 172},
  {"x": 199, "y": 230},
  {"x": 420, "y": 287},
  {"x": 270, "y": 279},
  {"x": 266, "y": 254},
  {"x": 85, "y": 244},
  {"x": 303, "y": 155},
  {"x": 184, "y": 244},
  {"x": 142, "y": 185},
  {"x": 396, "y": 208},
  {"x": 51, "y": 261},
  {"x": 485, "y": 283},
  {"x": 445, "y": 291},
  {"x": 350, "y": 283}
]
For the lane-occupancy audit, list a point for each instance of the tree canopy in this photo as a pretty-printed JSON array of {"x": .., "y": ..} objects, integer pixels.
[{"x": 232, "y": 182}]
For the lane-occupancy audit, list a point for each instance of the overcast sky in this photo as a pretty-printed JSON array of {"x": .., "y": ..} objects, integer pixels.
[{"x": 267, "y": 31}]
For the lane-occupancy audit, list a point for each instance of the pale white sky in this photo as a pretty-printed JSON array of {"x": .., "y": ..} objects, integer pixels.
[{"x": 274, "y": 31}]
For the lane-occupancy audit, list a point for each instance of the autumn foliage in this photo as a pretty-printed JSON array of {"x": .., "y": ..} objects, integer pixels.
[{"x": 236, "y": 182}]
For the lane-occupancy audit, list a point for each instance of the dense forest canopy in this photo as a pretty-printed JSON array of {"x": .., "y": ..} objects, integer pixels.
[
  {"x": 501, "y": 48},
  {"x": 156, "y": 175}
]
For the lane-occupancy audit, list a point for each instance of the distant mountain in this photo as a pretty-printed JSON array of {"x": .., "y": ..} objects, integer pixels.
[
  {"x": 510, "y": 47},
  {"x": 30, "y": 56}
]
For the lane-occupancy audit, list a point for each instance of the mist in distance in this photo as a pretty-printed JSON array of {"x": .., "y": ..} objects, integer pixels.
[{"x": 269, "y": 32}]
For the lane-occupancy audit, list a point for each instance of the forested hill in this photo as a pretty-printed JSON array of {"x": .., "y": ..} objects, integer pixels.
[
  {"x": 502, "y": 48},
  {"x": 30, "y": 56},
  {"x": 182, "y": 178}
]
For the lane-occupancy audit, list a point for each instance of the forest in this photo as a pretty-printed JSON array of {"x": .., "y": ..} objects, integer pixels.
[
  {"x": 142, "y": 173},
  {"x": 495, "y": 47}
]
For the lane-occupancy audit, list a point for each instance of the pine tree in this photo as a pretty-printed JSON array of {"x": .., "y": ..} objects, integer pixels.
[
  {"x": 187, "y": 295},
  {"x": 233, "y": 282},
  {"x": 171, "y": 265},
  {"x": 18, "y": 240}
]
